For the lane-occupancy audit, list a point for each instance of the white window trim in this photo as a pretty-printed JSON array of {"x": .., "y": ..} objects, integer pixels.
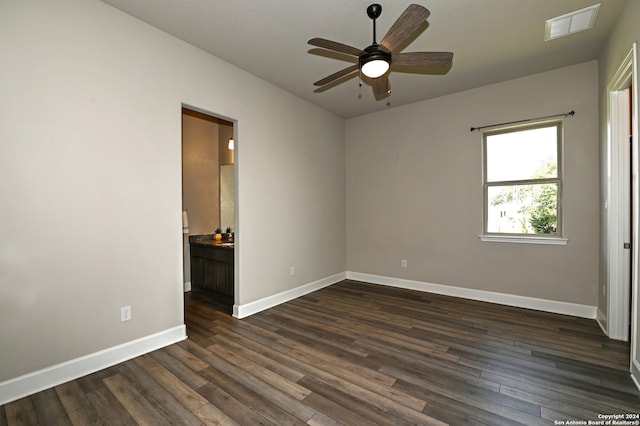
[
  {"x": 527, "y": 238},
  {"x": 524, "y": 239}
]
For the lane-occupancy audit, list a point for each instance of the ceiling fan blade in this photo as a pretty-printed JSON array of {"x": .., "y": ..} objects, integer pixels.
[
  {"x": 424, "y": 59},
  {"x": 337, "y": 75},
  {"x": 335, "y": 46},
  {"x": 405, "y": 25},
  {"x": 381, "y": 87}
]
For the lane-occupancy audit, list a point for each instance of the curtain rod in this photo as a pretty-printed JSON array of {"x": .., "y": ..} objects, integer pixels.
[{"x": 566, "y": 114}]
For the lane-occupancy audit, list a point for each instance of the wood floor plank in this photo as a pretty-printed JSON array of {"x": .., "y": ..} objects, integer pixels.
[
  {"x": 299, "y": 333},
  {"x": 452, "y": 411},
  {"x": 178, "y": 369},
  {"x": 49, "y": 409},
  {"x": 187, "y": 396},
  {"x": 346, "y": 416},
  {"x": 364, "y": 385},
  {"x": 230, "y": 407},
  {"x": 110, "y": 411},
  {"x": 564, "y": 394},
  {"x": 274, "y": 380},
  {"x": 264, "y": 335},
  {"x": 72, "y": 396},
  {"x": 551, "y": 404},
  {"x": 355, "y": 353},
  {"x": 85, "y": 417},
  {"x": 237, "y": 347},
  {"x": 368, "y": 405},
  {"x": 248, "y": 397},
  {"x": 77, "y": 404},
  {"x": 187, "y": 358},
  {"x": 598, "y": 357},
  {"x": 465, "y": 393},
  {"x": 142, "y": 411},
  {"x": 468, "y": 356},
  {"x": 95, "y": 381},
  {"x": 21, "y": 412},
  {"x": 320, "y": 419},
  {"x": 260, "y": 392},
  {"x": 554, "y": 416},
  {"x": 480, "y": 344},
  {"x": 578, "y": 389},
  {"x": 212, "y": 415},
  {"x": 163, "y": 401},
  {"x": 342, "y": 367}
]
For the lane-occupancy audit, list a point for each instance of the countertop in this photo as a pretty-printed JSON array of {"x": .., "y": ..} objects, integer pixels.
[{"x": 208, "y": 241}]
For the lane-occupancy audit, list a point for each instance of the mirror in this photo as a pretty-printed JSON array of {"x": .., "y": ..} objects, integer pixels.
[{"x": 227, "y": 208}]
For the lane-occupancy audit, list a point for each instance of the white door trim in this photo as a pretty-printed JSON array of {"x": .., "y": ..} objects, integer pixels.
[
  {"x": 635, "y": 172},
  {"x": 619, "y": 202}
]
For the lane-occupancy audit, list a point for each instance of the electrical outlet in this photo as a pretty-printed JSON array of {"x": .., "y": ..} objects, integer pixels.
[
  {"x": 125, "y": 313},
  {"x": 404, "y": 263},
  {"x": 292, "y": 271}
]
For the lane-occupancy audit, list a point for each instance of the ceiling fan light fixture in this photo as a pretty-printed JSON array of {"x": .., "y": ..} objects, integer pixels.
[
  {"x": 375, "y": 68},
  {"x": 375, "y": 62}
]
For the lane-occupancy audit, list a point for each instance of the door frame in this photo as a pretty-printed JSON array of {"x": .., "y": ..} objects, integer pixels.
[
  {"x": 635, "y": 171},
  {"x": 236, "y": 256},
  {"x": 622, "y": 264}
]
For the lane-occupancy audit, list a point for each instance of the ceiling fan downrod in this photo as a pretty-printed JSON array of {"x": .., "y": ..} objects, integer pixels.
[{"x": 374, "y": 11}]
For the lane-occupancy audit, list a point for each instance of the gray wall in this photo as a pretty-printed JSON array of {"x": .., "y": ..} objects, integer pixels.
[
  {"x": 90, "y": 166},
  {"x": 200, "y": 174},
  {"x": 414, "y": 191}
]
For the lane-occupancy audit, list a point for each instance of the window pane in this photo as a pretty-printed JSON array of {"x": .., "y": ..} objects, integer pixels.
[
  {"x": 523, "y": 209},
  {"x": 526, "y": 154}
]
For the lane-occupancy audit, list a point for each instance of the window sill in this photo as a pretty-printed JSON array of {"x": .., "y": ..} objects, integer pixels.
[{"x": 556, "y": 241}]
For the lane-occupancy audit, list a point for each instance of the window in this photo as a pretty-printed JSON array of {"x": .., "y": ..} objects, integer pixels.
[{"x": 522, "y": 181}]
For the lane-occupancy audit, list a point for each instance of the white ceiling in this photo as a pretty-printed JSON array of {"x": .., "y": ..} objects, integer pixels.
[{"x": 492, "y": 41}]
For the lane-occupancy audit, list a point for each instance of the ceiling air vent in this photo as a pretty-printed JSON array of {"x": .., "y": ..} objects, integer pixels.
[{"x": 570, "y": 23}]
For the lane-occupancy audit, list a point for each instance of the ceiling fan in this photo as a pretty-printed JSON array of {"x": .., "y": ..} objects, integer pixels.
[{"x": 375, "y": 60}]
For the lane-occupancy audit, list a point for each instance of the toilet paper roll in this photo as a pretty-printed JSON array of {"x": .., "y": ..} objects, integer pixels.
[{"x": 185, "y": 222}]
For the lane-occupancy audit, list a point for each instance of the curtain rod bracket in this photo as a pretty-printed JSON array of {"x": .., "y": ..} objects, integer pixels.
[{"x": 566, "y": 114}]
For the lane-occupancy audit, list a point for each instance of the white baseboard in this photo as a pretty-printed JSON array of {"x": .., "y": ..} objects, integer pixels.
[
  {"x": 242, "y": 311},
  {"x": 187, "y": 286},
  {"x": 583, "y": 311},
  {"x": 635, "y": 373},
  {"x": 54, "y": 375},
  {"x": 601, "y": 319},
  {"x": 566, "y": 308}
]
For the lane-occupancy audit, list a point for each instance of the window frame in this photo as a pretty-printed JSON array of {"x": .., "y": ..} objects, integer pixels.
[{"x": 558, "y": 237}]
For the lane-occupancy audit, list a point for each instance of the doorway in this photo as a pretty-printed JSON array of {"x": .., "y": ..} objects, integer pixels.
[
  {"x": 620, "y": 208},
  {"x": 623, "y": 216},
  {"x": 208, "y": 180}
]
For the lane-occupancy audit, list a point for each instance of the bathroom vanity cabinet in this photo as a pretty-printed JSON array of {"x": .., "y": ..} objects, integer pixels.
[{"x": 212, "y": 268}]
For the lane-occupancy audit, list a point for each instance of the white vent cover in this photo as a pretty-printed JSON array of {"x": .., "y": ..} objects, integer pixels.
[{"x": 570, "y": 23}]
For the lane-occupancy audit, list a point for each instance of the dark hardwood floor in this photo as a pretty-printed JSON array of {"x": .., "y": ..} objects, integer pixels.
[{"x": 356, "y": 354}]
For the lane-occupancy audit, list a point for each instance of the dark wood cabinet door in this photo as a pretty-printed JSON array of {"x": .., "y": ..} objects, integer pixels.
[
  {"x": 197, "y": 271},
  {"x": 212, "y": 270}
]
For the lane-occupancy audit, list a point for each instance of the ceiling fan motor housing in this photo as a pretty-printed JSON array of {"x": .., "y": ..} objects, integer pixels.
[{"x": 374, "y": 53}]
